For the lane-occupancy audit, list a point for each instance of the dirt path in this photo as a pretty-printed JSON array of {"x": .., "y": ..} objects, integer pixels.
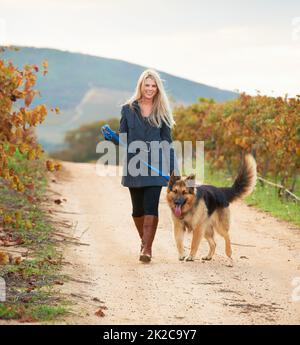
[{"x": 257, "y": 290}]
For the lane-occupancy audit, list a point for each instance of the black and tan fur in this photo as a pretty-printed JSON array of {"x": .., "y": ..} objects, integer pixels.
[{"x": 204, "y": 209}]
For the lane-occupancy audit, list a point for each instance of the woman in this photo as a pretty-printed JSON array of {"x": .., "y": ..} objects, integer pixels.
[{"x": 147, "y": 117}]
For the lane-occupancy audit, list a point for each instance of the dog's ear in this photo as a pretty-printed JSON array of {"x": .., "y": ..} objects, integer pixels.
[
  {"x": 173, "y": 179},
  {"x": 190, "y": 182}
]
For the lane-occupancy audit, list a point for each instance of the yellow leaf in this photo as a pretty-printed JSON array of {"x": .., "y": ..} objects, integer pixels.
[
  {"x": 28, "y": 224},
  {"x": 20, "y": 187},
  {"x": 19, "y": 133},
  {"x": 31, "y": 155},
  {"x": 4, "y": 258},
  {"x": 18, "y": 216},
  {"x": 7, "y": 219},
  {"x": 50, "y": 165}
]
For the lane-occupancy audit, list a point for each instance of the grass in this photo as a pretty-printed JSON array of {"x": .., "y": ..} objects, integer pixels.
[
  {"x": 31, "y": 313},
  {"x": 47, "y": 312},
  {"x": 31, "y": 286},
  {"x": 8, "y": 312},
  {"x": 264, "y": 197}
]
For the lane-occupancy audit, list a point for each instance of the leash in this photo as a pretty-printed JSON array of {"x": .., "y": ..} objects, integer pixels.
[{"x": 110, "y": 135}]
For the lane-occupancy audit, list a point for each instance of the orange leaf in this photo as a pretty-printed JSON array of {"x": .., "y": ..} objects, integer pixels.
[
  {"x": 99, "y": 312},
  {"x": 28, "y": 98}
]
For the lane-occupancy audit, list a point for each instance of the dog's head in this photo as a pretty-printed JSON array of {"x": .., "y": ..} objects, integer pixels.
[{"x": 181, "y": 194}]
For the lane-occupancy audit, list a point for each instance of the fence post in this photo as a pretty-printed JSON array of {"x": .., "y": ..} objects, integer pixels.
[{"x": 2, "y": 290}]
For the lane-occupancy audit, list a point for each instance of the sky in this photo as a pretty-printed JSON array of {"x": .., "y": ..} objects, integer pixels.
[{"x": 233, "y": 44}]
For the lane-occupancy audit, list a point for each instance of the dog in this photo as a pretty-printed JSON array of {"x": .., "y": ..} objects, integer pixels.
[{"x": 204, "y": 209}]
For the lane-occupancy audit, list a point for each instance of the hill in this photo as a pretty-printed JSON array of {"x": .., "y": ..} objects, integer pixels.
[{"x": 90, "y": 88}]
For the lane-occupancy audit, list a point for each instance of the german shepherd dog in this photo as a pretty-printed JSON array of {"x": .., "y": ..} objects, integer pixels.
[{"x": 204, "y": 209}]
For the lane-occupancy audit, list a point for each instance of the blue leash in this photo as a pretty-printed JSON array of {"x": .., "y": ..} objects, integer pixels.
[{"x": 109, "y": 134}]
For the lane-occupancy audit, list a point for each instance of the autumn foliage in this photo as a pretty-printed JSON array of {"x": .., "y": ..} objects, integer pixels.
[
  {"x": 17, "y": 122},
  {"x": 267, "y": 127}
]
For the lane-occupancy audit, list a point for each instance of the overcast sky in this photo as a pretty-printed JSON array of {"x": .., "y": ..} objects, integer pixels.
[{"x": 232, "y": 44}]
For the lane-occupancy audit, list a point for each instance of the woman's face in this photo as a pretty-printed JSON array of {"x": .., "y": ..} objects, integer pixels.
[{"x": 150, "y": 89}]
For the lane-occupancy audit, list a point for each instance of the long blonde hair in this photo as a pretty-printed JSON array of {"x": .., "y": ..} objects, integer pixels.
[{"x": 161, "y": 110}]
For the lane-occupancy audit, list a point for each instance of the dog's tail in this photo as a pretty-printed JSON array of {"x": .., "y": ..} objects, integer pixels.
[{"x": 244, "y": 182}]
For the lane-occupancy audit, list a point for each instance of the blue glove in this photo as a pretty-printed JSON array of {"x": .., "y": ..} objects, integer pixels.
[{"x": 110, "y": 135}]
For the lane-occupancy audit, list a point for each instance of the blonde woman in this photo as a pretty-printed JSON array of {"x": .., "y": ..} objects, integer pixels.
[{"x": 147, "y": 117}]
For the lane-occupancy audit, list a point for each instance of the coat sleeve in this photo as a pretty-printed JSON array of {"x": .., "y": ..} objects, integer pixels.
[
  {"x": 165, "y": 134},
  {"x": 123, "y": 128}
]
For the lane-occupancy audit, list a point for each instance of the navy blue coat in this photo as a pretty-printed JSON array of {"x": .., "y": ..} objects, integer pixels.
[{"x": 139, "y": 128}]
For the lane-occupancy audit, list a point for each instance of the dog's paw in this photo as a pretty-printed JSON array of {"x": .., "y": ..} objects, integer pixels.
[
  {"x": 206, "y": 258},
  {"x": 189, "y": 258}
]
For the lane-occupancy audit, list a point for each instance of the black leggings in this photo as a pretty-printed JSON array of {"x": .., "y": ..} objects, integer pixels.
[{"x": 145, "y": 200}]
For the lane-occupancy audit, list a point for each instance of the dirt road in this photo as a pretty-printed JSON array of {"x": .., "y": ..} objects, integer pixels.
[{"x": 106, "y": 273}]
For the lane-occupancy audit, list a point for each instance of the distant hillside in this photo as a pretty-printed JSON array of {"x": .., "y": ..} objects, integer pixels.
[{"x": 89, "y": 88}]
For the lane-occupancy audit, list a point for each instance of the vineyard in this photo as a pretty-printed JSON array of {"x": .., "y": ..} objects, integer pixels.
[
  {"x": 27, "y": 251},
  {"x": 267, "y": 127},
  {"x": 17, "y": 123}
]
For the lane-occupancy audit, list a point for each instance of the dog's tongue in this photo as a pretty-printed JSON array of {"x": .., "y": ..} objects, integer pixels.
[{"x": 178, "y": 210}]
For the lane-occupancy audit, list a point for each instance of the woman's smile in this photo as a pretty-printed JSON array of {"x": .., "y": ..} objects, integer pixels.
[{"x": 150, "y": 89}]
